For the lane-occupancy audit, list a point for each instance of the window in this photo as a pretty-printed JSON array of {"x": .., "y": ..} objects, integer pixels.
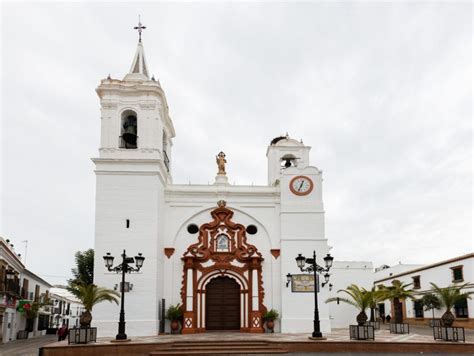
[
  {"x": 166, "y": 159},
  {"x": 457, "y": 274},
  {"x": 43, "y": 321},
  {"x": 193, "y": 228},
  {"x": 129, "y": 130},
  {"x": 37, "y": 293},
  {"x": 418, "y": 307},
  {"x": 460, "y": 309},
  {"x": 416, "y": 282},
  {"x": 252, "y": 229},
  {"x": 222, "y": 243}
]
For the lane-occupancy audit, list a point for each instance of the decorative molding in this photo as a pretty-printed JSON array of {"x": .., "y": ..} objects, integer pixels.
[
  {"x": 275, "y": 252},
  {"x": 169, "y": 251},
  {"x": 207, "y": 261},
  {"x": 147, "y": 106},
  {"x": 109, "y": 105}
]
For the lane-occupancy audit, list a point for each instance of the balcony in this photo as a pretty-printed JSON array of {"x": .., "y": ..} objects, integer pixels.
[{"x": 11, "y": 287}]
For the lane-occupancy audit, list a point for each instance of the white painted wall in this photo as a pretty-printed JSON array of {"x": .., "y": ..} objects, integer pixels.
[
  {"x": 343, "y": 274},
  {"x": 441, "y": 275}
]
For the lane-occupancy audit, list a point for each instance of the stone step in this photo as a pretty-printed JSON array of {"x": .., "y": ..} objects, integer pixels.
[
  {"x": 221, "y": 343},
  {"x": 218, "y": 347},
  {"x": 219, "y": 352}
]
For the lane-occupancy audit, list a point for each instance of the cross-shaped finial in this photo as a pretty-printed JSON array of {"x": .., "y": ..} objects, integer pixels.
[{"x": 140, "y": 27}]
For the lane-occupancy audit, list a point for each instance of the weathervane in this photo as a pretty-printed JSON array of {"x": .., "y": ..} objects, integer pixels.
[{"x": 140, "y": 27}]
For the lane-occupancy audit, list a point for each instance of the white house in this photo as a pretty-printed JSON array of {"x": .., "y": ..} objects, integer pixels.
[
  {"x": 222, "y": 251},
  {"x": 455, "y": 271},
  {"x": 65, "y": 308},
  {"x": 19, "y": 289}
]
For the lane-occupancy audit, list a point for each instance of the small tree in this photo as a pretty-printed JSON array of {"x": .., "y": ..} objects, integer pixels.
[
  {"x": 431, "y": 302},
  {"x": 396, "y": 293},
  {"x": 448, "y": 297},
  {"x": 358, "y": 297},
  {"x": 90, "y": 295},
  {"x": 84, "y": 271}
]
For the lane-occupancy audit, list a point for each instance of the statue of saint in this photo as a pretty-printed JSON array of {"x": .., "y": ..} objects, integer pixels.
[{"x": 220, "y": 160}]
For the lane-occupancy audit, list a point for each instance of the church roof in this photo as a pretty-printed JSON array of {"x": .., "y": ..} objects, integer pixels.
[{"x": 139, "y": 68}]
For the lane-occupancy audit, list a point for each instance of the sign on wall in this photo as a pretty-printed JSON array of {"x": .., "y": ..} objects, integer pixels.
[{"x": 303, "y": 283}]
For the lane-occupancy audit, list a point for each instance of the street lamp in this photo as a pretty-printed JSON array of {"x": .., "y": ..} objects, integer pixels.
[
  {"x": 123, "y": 267},
  {"x": 301, "y": 261}
]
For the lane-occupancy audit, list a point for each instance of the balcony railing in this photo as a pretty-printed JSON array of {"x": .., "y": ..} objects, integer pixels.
[{"x": 10, "y": 287}]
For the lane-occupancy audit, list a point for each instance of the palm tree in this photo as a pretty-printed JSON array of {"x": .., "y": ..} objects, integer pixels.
[
  {"x": 376, "y": 296},
  {"x": 359, "y": 298},
  {"x": 90, "y": 295},
  {"x": 448, "y": 297},
  {"x": 396, "y": 293}
]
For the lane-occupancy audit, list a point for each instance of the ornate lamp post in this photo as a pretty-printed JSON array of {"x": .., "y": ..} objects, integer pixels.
[
  {"x": 301, "y": 261},
  {"x": 123, "y": 267}
]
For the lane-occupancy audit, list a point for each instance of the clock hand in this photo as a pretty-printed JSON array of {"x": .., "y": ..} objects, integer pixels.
[{"x": 301, "y": 185}]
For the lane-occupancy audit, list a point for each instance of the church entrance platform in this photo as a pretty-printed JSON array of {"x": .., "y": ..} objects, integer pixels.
[{"x": 230, "y": 343}]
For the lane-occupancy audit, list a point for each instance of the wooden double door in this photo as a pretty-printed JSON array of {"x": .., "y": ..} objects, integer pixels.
[{"x": 222, "y": 304}]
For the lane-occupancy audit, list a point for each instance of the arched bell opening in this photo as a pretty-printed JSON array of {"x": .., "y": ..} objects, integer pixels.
[
  {"x": 129, "y": 130},
  {"x": 288, "y": 160}
]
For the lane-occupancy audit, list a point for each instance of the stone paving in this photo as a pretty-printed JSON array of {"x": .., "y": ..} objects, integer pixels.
[
  {"x": 335, "y": 335},
  {"x": 417, "y": 335},
  {"x": 28, "y": 347}
]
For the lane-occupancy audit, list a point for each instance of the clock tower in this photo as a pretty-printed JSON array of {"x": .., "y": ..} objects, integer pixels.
[{"x": 301, "y": 224}]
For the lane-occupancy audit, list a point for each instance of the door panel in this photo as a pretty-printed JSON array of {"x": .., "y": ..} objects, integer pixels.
[{"x": 223, "y": 304}]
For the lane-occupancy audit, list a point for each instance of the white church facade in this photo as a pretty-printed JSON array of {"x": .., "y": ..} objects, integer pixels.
[{"x": 222, "y": 251}]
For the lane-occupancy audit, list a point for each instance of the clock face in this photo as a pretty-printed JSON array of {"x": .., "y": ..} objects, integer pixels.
[{"x": 301, "y": 185}]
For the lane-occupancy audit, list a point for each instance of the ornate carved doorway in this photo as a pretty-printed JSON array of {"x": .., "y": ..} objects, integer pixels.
[
  {"x": 223, "y": 304},
  {"x": 222, "y": 272}
]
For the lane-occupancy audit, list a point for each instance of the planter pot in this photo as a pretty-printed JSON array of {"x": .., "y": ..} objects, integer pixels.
[
  {"x": 174, "y": 325},
  {"x": 270, "y": 324}
]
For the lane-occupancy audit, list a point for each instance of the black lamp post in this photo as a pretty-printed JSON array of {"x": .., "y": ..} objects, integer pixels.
[
  {"x": 301, "y": 261},
  {"x": 123, "y": 267}
]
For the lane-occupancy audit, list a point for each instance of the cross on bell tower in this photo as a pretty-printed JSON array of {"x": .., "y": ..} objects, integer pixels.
[{"x": 139, "y": 28}]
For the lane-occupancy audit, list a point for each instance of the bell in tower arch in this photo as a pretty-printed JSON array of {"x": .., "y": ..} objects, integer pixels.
[{"x": 129, "y": 131}]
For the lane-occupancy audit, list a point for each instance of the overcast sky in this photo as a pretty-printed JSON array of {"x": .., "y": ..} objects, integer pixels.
[{"x": 381, "y": 91}]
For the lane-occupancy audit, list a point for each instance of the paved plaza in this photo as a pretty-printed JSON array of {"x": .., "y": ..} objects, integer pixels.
[
  {"x": 423, "y": 335},
  {"x": 28, "y": 347}
]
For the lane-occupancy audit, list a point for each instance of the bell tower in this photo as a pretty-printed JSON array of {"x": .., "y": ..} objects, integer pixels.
[
  {"x": 132, "y": 171},
  {"x": 135, "y": 122},
  {"x": 285, "y": 152}
]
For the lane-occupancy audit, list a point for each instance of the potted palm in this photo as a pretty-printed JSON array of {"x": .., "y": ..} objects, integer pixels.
[
  {"x": 270, "y": 317},
  {"x": 90, "y": 295},
  {"x": 358, "y": 297},
  {"x": 448, "y": 297},
  {"x": 376, "y": 296},
  {"x": 174, "y": 314},
  {"x": 361, "y": 299},
  {"x": 397, "y": 293}
]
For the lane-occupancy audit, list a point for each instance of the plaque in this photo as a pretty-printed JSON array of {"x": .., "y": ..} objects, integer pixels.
[{"x": 303, "y": 283}]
